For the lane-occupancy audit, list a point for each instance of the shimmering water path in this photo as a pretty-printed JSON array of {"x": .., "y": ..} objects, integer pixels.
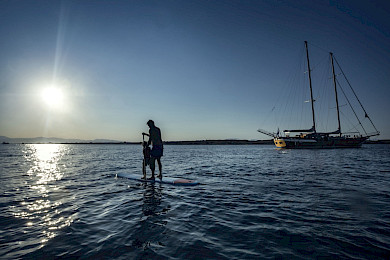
[{"x": 255, "y": 202}]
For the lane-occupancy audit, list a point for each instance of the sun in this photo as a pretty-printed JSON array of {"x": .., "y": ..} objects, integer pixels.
[{"x": 53, "y": 97}]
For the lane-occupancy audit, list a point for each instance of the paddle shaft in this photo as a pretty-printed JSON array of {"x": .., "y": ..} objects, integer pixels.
[{"x": 143, "y": 161}]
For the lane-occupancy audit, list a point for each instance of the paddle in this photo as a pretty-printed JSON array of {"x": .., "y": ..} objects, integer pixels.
[{"x": 143, "y": 161}]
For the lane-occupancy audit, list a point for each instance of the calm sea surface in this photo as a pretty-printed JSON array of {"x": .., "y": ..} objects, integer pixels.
[{"x": 255, "y": 202}]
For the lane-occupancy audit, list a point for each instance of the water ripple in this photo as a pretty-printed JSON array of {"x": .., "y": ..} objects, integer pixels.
[{"x": 63, "y": 201}]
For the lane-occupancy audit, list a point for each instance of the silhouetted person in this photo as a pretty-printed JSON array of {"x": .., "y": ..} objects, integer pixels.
[{"x": 157, "y": 149}]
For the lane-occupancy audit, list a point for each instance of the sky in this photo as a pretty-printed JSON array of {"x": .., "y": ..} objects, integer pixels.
[{"x": 199, "y": 69}]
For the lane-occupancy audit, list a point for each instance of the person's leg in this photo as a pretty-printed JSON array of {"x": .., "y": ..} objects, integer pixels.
[
  {"x": 159, "y": 167},
  {"x": 152, "y": 165}
]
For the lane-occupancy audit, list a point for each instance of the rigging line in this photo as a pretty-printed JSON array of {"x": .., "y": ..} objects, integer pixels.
[
  {"x": 350, "y": 105},
  {"x": 300, "y": 92},
  {"x": 268, "y": 116},
  {"x": 327, "y": 51},
  {"x": 323, "y": 96},
  {"x": 353, "y": 126},
  {"x": 290, "y": 94},
  {"x": 284, "y": 96},
  {"x": 328, "y": 93},
  {"x": 321, "y": 60},
  {"x": 365, "y": 112},
  {"x": 304, "y": 95}
]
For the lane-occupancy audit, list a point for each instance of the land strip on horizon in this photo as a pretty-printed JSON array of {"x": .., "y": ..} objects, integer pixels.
[{"x": 45, "y": 140}]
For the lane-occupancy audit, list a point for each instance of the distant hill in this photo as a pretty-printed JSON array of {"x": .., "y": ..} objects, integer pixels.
[
  {"x": 45, "y": 140},
  {"x": 4, "y": 139},
  {"x": 54, "y": 140}
]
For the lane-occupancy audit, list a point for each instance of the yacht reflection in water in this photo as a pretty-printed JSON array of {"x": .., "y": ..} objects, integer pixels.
[{"x": 43, "y": 196}]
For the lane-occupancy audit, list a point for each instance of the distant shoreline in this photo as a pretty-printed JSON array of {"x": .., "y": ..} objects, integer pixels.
[{"x": 197, "y": 142}]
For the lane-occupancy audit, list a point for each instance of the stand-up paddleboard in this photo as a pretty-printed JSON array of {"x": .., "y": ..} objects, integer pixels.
[{"x": 166, "y": 180}]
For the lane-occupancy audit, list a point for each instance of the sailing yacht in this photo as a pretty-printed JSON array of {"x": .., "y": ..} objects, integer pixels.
[{"x": 311, "y": 138}]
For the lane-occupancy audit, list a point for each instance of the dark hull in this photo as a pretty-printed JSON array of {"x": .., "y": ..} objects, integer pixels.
[{"x": 321, "y": 143}]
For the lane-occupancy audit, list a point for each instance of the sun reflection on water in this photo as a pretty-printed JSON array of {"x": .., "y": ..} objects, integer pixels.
[
  {"x": 46, "y": 158},
  {"x": 42, "y": 203}
]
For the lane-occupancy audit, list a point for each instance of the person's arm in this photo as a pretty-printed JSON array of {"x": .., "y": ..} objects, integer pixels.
[{"x": 150, "y": 137}]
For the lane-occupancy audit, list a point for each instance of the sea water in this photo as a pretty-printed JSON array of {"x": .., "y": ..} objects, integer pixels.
[{"x": 254, "y": 202}]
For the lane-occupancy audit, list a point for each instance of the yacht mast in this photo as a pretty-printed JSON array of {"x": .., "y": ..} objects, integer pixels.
[
  {"x": 311, "y": 89},
  {"x": 335, "y": 91}
]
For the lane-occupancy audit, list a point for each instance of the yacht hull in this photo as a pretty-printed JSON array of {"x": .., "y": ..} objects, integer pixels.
[{"x": 319, "y": 143}]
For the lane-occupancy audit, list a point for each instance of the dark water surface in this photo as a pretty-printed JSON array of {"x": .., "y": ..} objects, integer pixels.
[{"x": 256, "y": 202}]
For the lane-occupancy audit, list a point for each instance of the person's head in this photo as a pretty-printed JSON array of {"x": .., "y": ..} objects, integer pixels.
[{"x": 150, "y": 123}]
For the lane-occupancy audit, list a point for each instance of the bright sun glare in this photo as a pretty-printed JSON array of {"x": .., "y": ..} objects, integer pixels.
[{"x": 53, "y": 97}]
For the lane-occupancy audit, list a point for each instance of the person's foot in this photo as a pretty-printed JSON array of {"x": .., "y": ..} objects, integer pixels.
[
  {"x": 151, "y": 178},
  {"x": 159, "y": 176}
]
